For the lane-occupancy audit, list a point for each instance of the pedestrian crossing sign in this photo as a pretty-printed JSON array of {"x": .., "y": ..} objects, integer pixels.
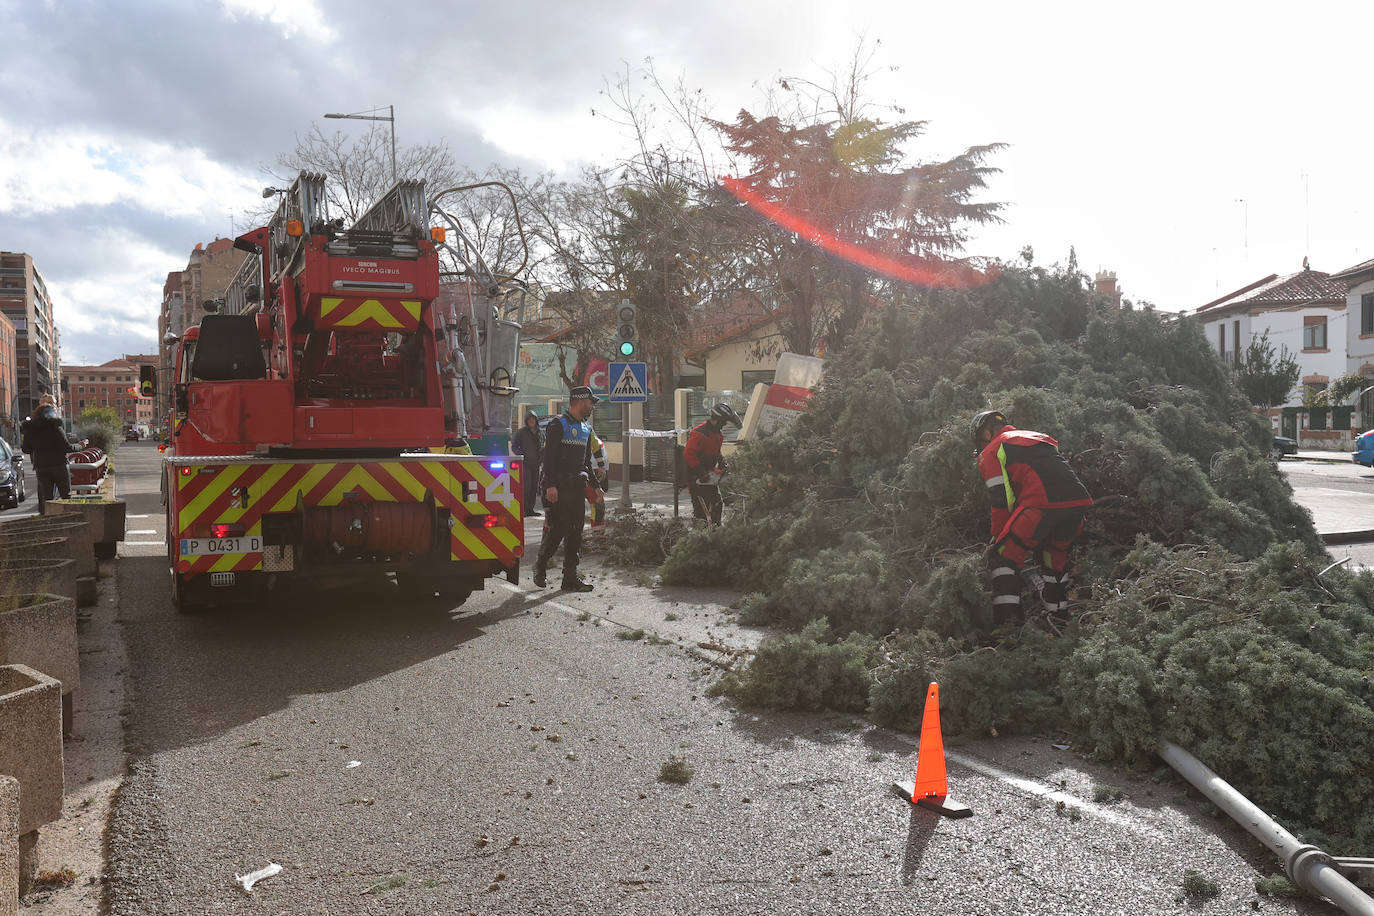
[{"x": 630, "y": 385}]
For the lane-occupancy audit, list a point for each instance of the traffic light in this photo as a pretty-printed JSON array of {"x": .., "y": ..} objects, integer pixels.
[
  {"x": 147, "y": 381},
  {"x": 626, "y": 336}
]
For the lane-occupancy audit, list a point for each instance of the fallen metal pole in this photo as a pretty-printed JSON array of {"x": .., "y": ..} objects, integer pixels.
[{"x": 1308, "y": 867}]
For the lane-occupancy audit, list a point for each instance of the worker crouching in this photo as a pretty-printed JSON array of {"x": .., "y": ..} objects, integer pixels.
[{"x": 1038, "y": 506}]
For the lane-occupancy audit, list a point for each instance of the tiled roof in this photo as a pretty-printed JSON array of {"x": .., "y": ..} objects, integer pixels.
[
  {"x": 1300, "y": 287},
  {"x": 1350, "y": 273}
]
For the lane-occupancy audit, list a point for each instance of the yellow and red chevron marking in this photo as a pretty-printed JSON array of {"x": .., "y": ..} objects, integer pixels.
[
  {"x": 356, "y": 312},
  {"x": 213, "y": 494}
]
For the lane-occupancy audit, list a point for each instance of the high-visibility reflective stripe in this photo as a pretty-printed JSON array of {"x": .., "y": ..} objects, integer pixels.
[
  {"x": 390, "y": 313},
  {"x": 1006, "y": 478},
  {"x": 993, "y": 482},
  {"x": 1006, "y": 599},
  {"x": 225, "y": 477},
  {"x": 1003, "y": 571}
]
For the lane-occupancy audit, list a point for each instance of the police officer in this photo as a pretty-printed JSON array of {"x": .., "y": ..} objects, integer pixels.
[
  {"x": 1038, "y": 504},
  {"x": 564, "y": 475}
]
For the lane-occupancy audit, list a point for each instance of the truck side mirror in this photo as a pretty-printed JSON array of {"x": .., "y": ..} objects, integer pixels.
[{"x": 183, "y": 400}]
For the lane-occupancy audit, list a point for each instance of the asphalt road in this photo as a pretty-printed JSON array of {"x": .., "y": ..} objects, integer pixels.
[
  {"x": 504, "y": 757},
  {"x": 1338, "y": 474}
]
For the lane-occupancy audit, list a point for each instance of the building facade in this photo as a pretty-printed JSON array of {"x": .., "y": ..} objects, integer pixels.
[
  {"x": 113, "y": 384},
  {"x": 25, "y": 302},
  {"x": 1358, "y": 282},
  {"x": 1304, "y": 312},
  {"x": 206, "y": 276},
  {"x": 9, "y": 381}
]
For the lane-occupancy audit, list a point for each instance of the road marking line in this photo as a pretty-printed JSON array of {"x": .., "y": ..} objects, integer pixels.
[
  {"x": 143, "y": 531},
  {"x": 138, "y": 516},
  {"x": 144, "y": 543},
  {"x": 1037, "y": 788}
]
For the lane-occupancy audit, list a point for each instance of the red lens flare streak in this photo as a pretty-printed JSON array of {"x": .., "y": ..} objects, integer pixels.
[{"x": 949, "y": 275}]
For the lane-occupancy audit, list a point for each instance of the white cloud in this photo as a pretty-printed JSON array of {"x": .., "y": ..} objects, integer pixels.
[
  {"x": 51, "y": 170},
  {"x": 109, "y": 313},
  {"x": 291, "y": 16}
]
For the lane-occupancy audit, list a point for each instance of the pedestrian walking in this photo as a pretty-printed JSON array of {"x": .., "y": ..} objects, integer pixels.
[
  {"x": 526, "y": 443},
  {"x": 705, "y": 466},
  {"x": 45, "y": 440},
  {"x": 1038, "y": 505},
  {"x": 565, "y": 474}
]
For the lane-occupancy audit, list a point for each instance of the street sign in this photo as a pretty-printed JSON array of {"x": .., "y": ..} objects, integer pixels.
[{"x": 629, "y": 383}]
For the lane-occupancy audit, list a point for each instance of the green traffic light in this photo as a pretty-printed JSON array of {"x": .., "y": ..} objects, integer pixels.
[{"x": 627, "y": 348}]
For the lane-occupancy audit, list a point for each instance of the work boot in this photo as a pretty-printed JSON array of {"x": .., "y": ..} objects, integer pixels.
[
  {"x": 541, "y": 574},
  {"x": 576, "y": 585}
]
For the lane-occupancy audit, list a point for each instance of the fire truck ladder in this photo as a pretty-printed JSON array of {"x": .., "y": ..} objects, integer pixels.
[
  {"x": 302, "y": 212},
  {"x": 484, "y": 343},
  {"x": 243, "y": 295},
  {"x": 400, "y": 211}
]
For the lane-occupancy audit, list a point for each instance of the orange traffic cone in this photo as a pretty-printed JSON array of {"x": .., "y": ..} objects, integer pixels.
[{"x": 931, "y": 786}]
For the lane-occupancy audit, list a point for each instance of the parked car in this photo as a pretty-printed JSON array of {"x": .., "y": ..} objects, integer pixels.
[
  {"x": 1283, "y": 446},
  {"x": 11, "y": 477},
  {"x": 1364, "y": 449}
]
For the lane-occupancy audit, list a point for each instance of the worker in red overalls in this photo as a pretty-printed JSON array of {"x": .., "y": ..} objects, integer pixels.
[
  {"x": 1038, "y": 505},
  {"x": 705, "y": 464}
]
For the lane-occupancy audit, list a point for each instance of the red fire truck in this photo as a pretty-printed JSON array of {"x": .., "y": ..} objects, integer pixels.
[{"x": 323, "y": 410}]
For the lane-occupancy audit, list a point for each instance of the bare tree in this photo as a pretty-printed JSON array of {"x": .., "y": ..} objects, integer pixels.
[{"x": 358, "y": 166}]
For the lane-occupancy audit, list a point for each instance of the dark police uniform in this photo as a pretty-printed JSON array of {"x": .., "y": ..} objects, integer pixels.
[{"x": 567, "y": 465}]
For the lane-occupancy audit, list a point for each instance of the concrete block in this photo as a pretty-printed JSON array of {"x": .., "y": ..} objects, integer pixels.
[
  {"x": 105, "y": 516},
  {"x": 9, "y": 846},
  {"x": 40, "y": 631},
  {"x": 38, "y": 547},
  {"x": 80, "y": 547},
  {"x": 32, "y": 577},
  {"x": 31, "y": 742}
]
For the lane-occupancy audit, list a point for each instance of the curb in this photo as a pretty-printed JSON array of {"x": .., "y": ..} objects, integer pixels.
[{"x": 1348, "y": 537}]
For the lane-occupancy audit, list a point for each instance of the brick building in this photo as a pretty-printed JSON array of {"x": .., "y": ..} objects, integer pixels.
[{"x": 112, "y": 384}]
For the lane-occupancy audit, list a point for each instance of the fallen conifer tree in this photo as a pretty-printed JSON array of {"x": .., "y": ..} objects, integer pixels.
[{"x": 1200, "y": 615}]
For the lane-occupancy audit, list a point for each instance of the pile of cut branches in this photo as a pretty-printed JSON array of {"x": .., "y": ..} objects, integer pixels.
[{"x": 1200, "y": 616}]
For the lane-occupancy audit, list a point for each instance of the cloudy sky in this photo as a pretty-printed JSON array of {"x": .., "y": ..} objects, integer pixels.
[{"x": 1191, "y": 147}]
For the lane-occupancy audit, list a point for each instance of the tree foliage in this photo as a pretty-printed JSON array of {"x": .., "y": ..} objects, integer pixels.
[
  {"x": 1200, "y": 617},
  {"x": 101, "y": 426},
  {"x": 1265, "y": 375},
  {"x": 843, "y": 185}
]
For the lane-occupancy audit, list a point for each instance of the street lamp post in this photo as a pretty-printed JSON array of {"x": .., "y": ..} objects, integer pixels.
[{"x": 372, "y": 116}]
